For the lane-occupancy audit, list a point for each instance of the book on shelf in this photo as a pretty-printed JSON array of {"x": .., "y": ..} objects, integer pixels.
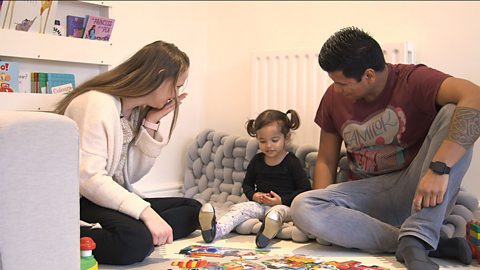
[
  {"x": 24, "y": 81},
  {"x": 60, "y": 83},
  {"x": 52, "y": 83},
  {"x": 62, "y": 89},
  {"x": 8, "y": 76},
  {"x": 75, "y": 26},
  {"x": 28, "y": 16},
  {"x": 98, "y": 28},
  {"x": 39, "y": 82}
]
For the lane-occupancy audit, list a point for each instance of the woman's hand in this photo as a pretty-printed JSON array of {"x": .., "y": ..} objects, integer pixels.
[
  {"x": 161, "y": 232},
  {"x": 155, "y": 115}
]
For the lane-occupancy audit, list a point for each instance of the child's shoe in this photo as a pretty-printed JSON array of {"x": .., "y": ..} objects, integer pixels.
[
  {"x": 269, "y": 229},
  {"x": 208, "y": 222}
]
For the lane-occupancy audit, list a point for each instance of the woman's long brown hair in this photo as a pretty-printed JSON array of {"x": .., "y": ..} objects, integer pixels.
[{"x": 138, "y": 76}]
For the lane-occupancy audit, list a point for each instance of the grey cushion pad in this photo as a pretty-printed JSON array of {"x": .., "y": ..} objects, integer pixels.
[{"x": 216, "y": 165}]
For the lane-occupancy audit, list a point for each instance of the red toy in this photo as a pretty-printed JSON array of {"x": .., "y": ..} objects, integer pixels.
[{"x": 87, "y": 261}]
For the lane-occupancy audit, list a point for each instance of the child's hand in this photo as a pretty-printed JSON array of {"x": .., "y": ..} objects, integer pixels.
[
  {"x": 271, "y": 199},
  {"x": 258, "y": 197}
]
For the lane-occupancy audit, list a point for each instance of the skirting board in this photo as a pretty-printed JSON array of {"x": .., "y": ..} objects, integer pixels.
[{"x": 168, "y": 190}]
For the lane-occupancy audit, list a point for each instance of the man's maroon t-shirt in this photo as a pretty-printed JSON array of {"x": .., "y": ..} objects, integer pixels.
[{"x": 384, "y": 135}]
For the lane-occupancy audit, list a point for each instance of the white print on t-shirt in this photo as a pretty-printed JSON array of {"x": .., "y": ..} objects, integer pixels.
[{"x": 376, "y": 144}]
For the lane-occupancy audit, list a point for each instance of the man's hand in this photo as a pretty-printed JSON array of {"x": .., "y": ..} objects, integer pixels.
[{"x": 430, "y": 191}]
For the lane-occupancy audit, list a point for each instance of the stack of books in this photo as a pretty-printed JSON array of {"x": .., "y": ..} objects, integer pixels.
[
  {"x": 90, "y": 27},
  {"x": 52, "y": 83}
]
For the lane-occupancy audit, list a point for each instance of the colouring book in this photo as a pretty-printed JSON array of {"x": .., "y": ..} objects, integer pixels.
[{"x": 54, "y": 80}]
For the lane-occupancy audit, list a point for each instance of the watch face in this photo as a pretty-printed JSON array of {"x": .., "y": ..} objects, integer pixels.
[
  {"x": 436, "y": 167},
  {"x": 439, "y": 167}
]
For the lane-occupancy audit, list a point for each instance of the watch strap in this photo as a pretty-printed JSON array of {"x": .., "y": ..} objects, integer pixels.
[
  {"x": 150, "y": 125},
  {"x": 439, "y": 167}
]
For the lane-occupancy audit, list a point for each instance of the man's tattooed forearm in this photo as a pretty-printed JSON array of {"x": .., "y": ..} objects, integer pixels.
[{"x": 465, "y": 126}]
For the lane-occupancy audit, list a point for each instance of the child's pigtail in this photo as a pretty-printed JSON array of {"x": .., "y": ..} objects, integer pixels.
[
  {"x": 250, "y": 125},
  {"x": 294, "y": 120}
]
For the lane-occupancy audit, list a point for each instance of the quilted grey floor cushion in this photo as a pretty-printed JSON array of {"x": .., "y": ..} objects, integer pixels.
[{"x": 216, "y": 165}]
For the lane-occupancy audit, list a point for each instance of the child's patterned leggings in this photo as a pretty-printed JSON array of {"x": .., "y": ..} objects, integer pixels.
[{"x": 240, "y": 212}]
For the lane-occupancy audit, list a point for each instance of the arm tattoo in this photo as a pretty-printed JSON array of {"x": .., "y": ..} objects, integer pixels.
[{"x": 464, "y": 127}]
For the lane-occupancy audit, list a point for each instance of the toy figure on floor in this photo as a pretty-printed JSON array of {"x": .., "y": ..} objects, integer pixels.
[
  {"x": 409, "y": 132},
  {"x": 87, "y": 261},
  {"x": 273, "y": 178},
  {"x": 118, "y": 115}
]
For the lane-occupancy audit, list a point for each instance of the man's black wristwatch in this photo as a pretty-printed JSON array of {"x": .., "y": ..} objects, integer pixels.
[{"x": 439, "y": 168}]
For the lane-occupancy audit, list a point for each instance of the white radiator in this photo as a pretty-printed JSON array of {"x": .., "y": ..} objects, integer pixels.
[
  {"x": 292, "y": 79},
  {"x": 285, "y": 80}
]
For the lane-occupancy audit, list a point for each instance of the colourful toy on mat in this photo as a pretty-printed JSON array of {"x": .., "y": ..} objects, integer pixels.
[
  {"x": 197, "y": 263},
  {"x": 197, "y": 251},
  {"x": 87, "y": 261},
  {"x": 473, "y": 237}
]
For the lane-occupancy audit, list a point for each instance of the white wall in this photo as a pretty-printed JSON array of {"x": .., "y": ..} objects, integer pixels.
[
  {"x": 219, "y": 37},
  {"x": 445, "y": 35},
  {"x": 185, "y": 25}
]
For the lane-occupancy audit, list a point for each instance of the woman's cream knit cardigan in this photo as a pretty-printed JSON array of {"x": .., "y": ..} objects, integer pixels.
[{"x": 98, "y": 118}]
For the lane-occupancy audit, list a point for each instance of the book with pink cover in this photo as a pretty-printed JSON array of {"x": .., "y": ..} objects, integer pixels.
[{"x": 98, "y": 28}]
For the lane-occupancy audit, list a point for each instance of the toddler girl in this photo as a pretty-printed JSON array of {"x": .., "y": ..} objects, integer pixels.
[{"x": 273, "y": 178}]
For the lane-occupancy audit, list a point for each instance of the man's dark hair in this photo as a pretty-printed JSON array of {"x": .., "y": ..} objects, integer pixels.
[{"x": 352, "y": 51}]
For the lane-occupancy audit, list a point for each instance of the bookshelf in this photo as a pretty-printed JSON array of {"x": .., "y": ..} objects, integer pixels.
[{"x": 50, "y": 53}]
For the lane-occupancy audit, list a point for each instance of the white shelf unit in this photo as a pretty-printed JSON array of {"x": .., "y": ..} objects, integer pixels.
[{"x": 36, "y": 52}]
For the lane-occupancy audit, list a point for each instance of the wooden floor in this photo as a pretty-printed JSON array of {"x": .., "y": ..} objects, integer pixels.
[{"x": 277, "y": 247}]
